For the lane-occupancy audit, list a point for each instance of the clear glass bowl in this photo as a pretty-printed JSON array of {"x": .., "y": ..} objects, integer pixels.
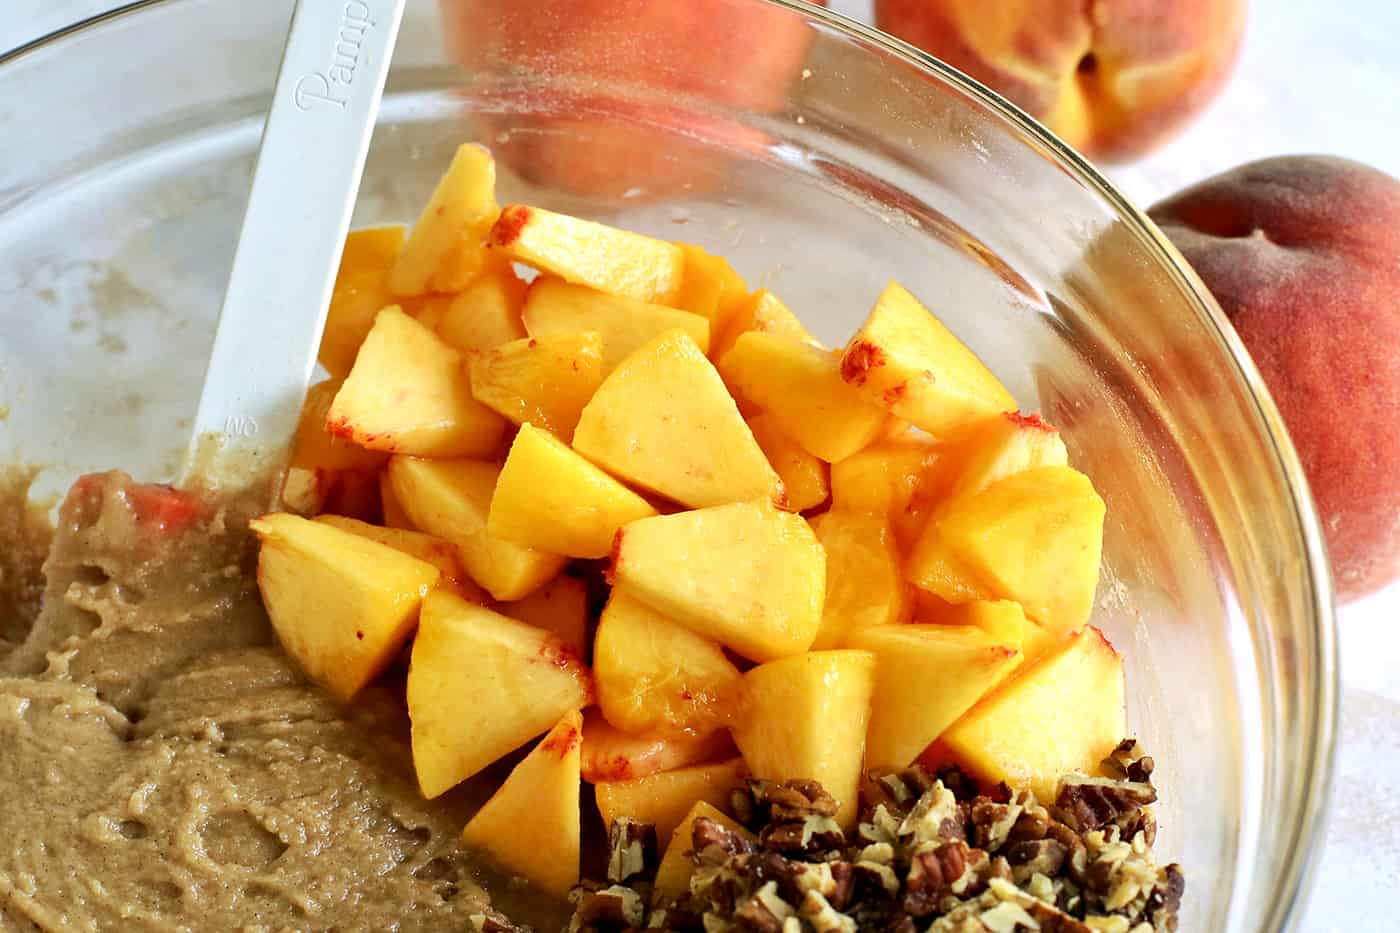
[{"x": 823, "y": 164}]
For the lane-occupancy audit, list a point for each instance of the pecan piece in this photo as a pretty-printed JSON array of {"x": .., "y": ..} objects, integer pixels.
[
  {"x": 1090, "y": 803},
  {"x": 631, "y": 850},
  {"x": 932, "y": 875}
]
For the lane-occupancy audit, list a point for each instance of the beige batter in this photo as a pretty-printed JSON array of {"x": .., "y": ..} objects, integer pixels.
[{"x": 162, "y": 767}]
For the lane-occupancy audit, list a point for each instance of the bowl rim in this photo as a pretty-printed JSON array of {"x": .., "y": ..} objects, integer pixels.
[{"x": 1303, "y": 846}]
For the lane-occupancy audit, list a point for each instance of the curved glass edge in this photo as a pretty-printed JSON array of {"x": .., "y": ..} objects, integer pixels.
[{"x": 1320, "y": 728}]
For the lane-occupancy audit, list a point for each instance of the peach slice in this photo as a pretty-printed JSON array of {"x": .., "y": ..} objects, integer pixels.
[
  {"x": 544, "y": 381},
  {"x": 864, "y": 582},
  {"x": 550, "y": 498},
  {"x": 806, "y": 717},
  {"x": 609, "y": 754},
  {"x": 905, "y": 360},
  {"x": 926, "y": 677},
  {"x": 480, "y": 685},
  {"x": 764, "y": 312},
  {"x": 1036, "y": 538},
  {"x": 560, "y": 607},
  {"x": 433, "y": 550},
  {"x": 710, "y": 288},
  {"x": 665, "y": 798},
  {"x": 530, "y": 826},
  {"x": 745, "y": 575},
  {"x": 800, "y": 386},
  {"x": 341, "y": 604},
  {"x": 452, "y": 499},
  {"x": 361, "y": 291},
  {"x": 804, "y": 476},
  {"x": 409, "y": 393},
  {"x": 583, "y": 252},
  {"x": 664, "y": 421},
  {"x": 624, "y": 324},
  {"x": 657, "y": 677},
  {"x": 486, "y": 313},
  {"x": 444, "y": 250},
  {"x": 1065, "y": 713}
]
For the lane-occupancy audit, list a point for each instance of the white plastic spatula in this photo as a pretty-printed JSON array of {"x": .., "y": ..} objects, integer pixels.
[{"x": 304, "y": 187}]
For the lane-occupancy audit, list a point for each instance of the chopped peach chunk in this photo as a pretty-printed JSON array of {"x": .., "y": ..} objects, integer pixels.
[
  {"x": 624, "y": 324},
  {"x": 583, "y": 252},
  {"x": 445, "y": 250}
]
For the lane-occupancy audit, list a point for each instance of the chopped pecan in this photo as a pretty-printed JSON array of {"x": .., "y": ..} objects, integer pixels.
[
  {"x": 1036, "y": 856},
  {"x": 1089, "y": 803},
  {"x": 631, "y": 850},
  {"x": 1164, "y": 903},
  {"x": 792, "y": 800},
  {"x": 991, "y": 823},
  {"x": 613, "y": 908},
  {"x": 931, "y": 877},
  {"x": 712, "y": 841},
  {"x": 811, "y": 835},
  {"x": 1127, "y": 762}
]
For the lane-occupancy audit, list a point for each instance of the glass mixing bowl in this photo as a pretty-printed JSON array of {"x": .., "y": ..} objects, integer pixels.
[{"x": 824, "y": 159}]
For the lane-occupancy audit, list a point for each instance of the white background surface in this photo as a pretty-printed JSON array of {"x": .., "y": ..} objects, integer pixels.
[{"x": 1316, "y": 76}]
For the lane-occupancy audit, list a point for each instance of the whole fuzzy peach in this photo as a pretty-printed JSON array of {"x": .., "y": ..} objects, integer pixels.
[
  {"x": 695, "y": 59},
  {"x": 1303, "y": 255},
  {"x": 1113, "y": 78}
]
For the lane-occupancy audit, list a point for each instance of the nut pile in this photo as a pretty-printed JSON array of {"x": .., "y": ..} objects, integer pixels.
[{"x": 930, "y": 854}]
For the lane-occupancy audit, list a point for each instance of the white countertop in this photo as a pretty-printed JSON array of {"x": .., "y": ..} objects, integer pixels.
[{"x": 1316, "y": 76}]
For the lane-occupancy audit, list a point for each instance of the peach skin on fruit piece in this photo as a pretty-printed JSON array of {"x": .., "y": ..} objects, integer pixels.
[
  {"x": 746, "y": 575},
  {"x": 409, "y": 393},
  {"x": 800, "y": 386},
  {"x": 1064, "y": 713},
  {"x": 806, "y": 717},
  {"x": 544, "y": 381},
  {"x": 584, "y": 252},
  {"x": 663, "y": 421},
  {"x": 624, "y": 324},
  {"x": 341, "y": 604},
  {"x": 906, "y": 361},
  {"x": 481, "y": 685},
  {"x": 864, "y": 582},
  {"x": 361, "y": 291},
  {"x": 609, "y": 754},
  {"x": 1303, "y": 255},
  {"x": 663, "y": 799},
  {"x": 452, "y": 499},
  {"x": 551, "y": 498},
  {"x": 926, "y": 677},
  {"x": 445, "y": 249},
  {"x": 1114, "y": 79},
  {"x": 678, "y": 864},
  {"x": 530, "y": 826},
  {"x": 804, "y": 476},
  {"x": 560, "y": 607},
  {"x": 1036, "y": 538},
  {"x": 657, "y": 677}
]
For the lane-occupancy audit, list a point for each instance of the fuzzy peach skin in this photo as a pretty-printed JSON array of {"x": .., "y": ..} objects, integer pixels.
[
  {"x": 600, "y": 143},
  {"x": 1303, "y": 255},
  {"x": 1113, "y": 78}
]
